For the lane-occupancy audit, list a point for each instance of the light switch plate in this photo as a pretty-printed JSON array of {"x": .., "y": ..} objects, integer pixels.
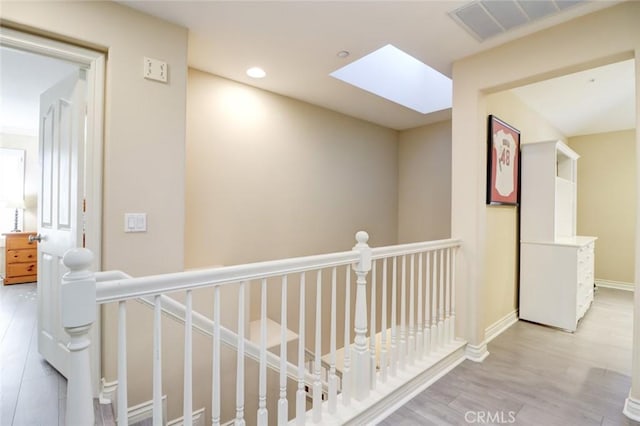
[
  {"x": 135, "y": 222},
  {"x": 155, "y": 69}
]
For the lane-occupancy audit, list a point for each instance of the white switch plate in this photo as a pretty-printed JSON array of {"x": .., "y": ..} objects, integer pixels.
[
  {"x": 155, "y": 69},
  {"x": 135, "y": 222}
]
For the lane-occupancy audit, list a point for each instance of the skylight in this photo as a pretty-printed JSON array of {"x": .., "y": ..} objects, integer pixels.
[{"x": 399, "y": 77}]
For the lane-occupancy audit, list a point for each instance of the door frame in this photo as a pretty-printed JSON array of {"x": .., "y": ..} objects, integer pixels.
[{"x": 94, "y": 63}]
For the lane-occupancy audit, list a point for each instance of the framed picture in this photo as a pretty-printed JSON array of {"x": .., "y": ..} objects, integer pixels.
[{"x": 503, "y": 162}]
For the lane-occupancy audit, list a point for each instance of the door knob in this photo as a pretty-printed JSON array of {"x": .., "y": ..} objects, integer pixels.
[{"x": 37, "y": 238}]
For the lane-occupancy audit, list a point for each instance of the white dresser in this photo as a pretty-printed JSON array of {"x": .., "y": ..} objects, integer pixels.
[{"x": 556, "y": 266}]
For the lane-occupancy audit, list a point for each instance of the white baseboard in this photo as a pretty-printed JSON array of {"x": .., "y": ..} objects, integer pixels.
[
  {"x": 144, "y": 411},
  {"x": 477, "y": 353},
  {"x": 632, "y": 409},
  {"x": 108, "y": 391},
  {"x": 198, "y": 419},
  {"x": 618, "y": 285},
  {"x": 495, "y": 329}
]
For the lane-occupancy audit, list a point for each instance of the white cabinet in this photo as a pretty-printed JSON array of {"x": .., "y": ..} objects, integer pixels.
[{"x": 556, "y": 266}]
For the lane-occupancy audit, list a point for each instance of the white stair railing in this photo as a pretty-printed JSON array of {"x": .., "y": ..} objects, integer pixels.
[{"x": 366, "y": 361}]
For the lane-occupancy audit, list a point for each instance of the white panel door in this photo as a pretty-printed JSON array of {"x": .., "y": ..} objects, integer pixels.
[{"x": 62, "y": 130}]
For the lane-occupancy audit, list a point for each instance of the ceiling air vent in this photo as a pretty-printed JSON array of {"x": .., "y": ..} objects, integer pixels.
[{"x": 488, "y": 18}]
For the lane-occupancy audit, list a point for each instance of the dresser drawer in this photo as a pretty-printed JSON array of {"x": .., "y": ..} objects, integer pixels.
[
  {"x": 20, "y": 269},
  {"x": 15, "y": 256},
  {"x": 20, "y": 243}
]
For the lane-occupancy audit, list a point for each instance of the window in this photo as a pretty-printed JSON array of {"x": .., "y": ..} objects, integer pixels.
[{"x": 11, "y": 188}]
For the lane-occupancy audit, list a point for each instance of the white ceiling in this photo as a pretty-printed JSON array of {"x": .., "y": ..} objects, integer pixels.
[
  {"x": 593, "y": 101},
  {"x": 296, "y": 43},
  {"x": 23, "y": 77}
]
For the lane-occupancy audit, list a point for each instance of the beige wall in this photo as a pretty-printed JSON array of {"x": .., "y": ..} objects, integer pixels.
[
  {"x": 144, "y": 124},
  {"x": 424, "y": 183},
  {"x": 606, "y": 206},
  {"x": 533, "y": 58},
  {"x": 502, "y": 241},
  {"x": 144, "y": 140},
  {"x": 271, "y": 177}
]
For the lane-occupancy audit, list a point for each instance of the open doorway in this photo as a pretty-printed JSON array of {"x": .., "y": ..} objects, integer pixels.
[{"x": 31, "y": 66}]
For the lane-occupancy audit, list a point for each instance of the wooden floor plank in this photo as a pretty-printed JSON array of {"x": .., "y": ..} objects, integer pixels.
[{"x": 540, "y": 375}]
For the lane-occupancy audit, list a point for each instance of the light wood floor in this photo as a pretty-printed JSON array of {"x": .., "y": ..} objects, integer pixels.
[
  {"x": 538, "y": 376},
  {"x": 31, "y": 391}
]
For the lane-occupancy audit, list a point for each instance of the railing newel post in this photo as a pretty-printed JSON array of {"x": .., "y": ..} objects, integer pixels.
[
  {"x": 78, "y": 300},
  {"x": 360, "y": 353}
]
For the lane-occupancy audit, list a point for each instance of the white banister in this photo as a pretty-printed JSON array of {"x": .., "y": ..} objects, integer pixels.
[
  {"x": 333, "y": 379},
  {"x": 157, "y": 362},
  {"x": 447, "y": 301},
  {"x": 283, "y": 405},
  {"x": 215, "y": 367},
  {"x": 402, "y": 359},
  {"x": 441, "y": 302},
  {"x": 301, "y": 406},
  {"x": 239, "y": 421},
  {"x": 317, "y": 380},
  {"x": 346, "y": 372},
  {"x": 394, "y": 316},
  {"x": 427, "y": 304},
  {"x": 188, "y": 361},
  {"x": 263, "y": 415},
  {"x": 123, "y": 417},
  {"x": 383, "y": 325},
  {"x": 372, "y": 331},
  {"x": 419, "y": 325},
  {"x": 434, "y": 302},
  {"x": 453, "y": 295},
  {"x": 412, "y": 301},
  {"x": 426, "y": 326},
  {"x": 78, "y": 293},
  {"x": 360, "y": 354}
]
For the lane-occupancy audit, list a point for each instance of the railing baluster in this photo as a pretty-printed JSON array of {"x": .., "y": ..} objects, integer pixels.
[
  {"x": 453, "y": 295},
  {"x": 447, "y": 311},
  {"x": 441, "y": 302},
  {"x": 360, "y": 349},
  {"x": 394, "y": 303},
  {"x": 419, "y": 325},
  {"x": 301, "y": 407},
  {"x": 157, "y": 361},
  {"x": 215, "y": 367},
  {"x": 239, "y": 421},
  {"x": 403, "y": 314},
  {"x": 333, "y": 379},
  {"x": 283, "y": 404},
  {"x": 317, "y": 383},
  {"x": 427, "y": 304},
  {"x": 123, "y": 409},
  {"x": 263, "y": 414},
  {"x": 383, "y": 325},
  {"x": 372, "y": 332},
  {"x": 188, "y": 360},
  {"x": 412, "y": 332},
  {"x": 346, "y": 373},
  {"x": 434, "y": 301}
]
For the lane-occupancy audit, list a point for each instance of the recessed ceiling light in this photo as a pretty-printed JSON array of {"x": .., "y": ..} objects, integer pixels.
[
  {"x": 256, "y": 72},
  {"x": 343, "y": 54},
  {"x": 399, "y": 77}
]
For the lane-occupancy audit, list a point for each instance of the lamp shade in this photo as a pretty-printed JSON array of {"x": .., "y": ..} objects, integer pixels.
[{"x": 13, "y": 204}]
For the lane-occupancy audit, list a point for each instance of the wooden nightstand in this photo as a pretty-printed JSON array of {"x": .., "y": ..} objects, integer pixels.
[{"x": 21, "y": 258}]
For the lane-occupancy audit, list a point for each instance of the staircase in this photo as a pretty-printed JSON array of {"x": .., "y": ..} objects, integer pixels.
[{"x": 300, "y": 360}]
